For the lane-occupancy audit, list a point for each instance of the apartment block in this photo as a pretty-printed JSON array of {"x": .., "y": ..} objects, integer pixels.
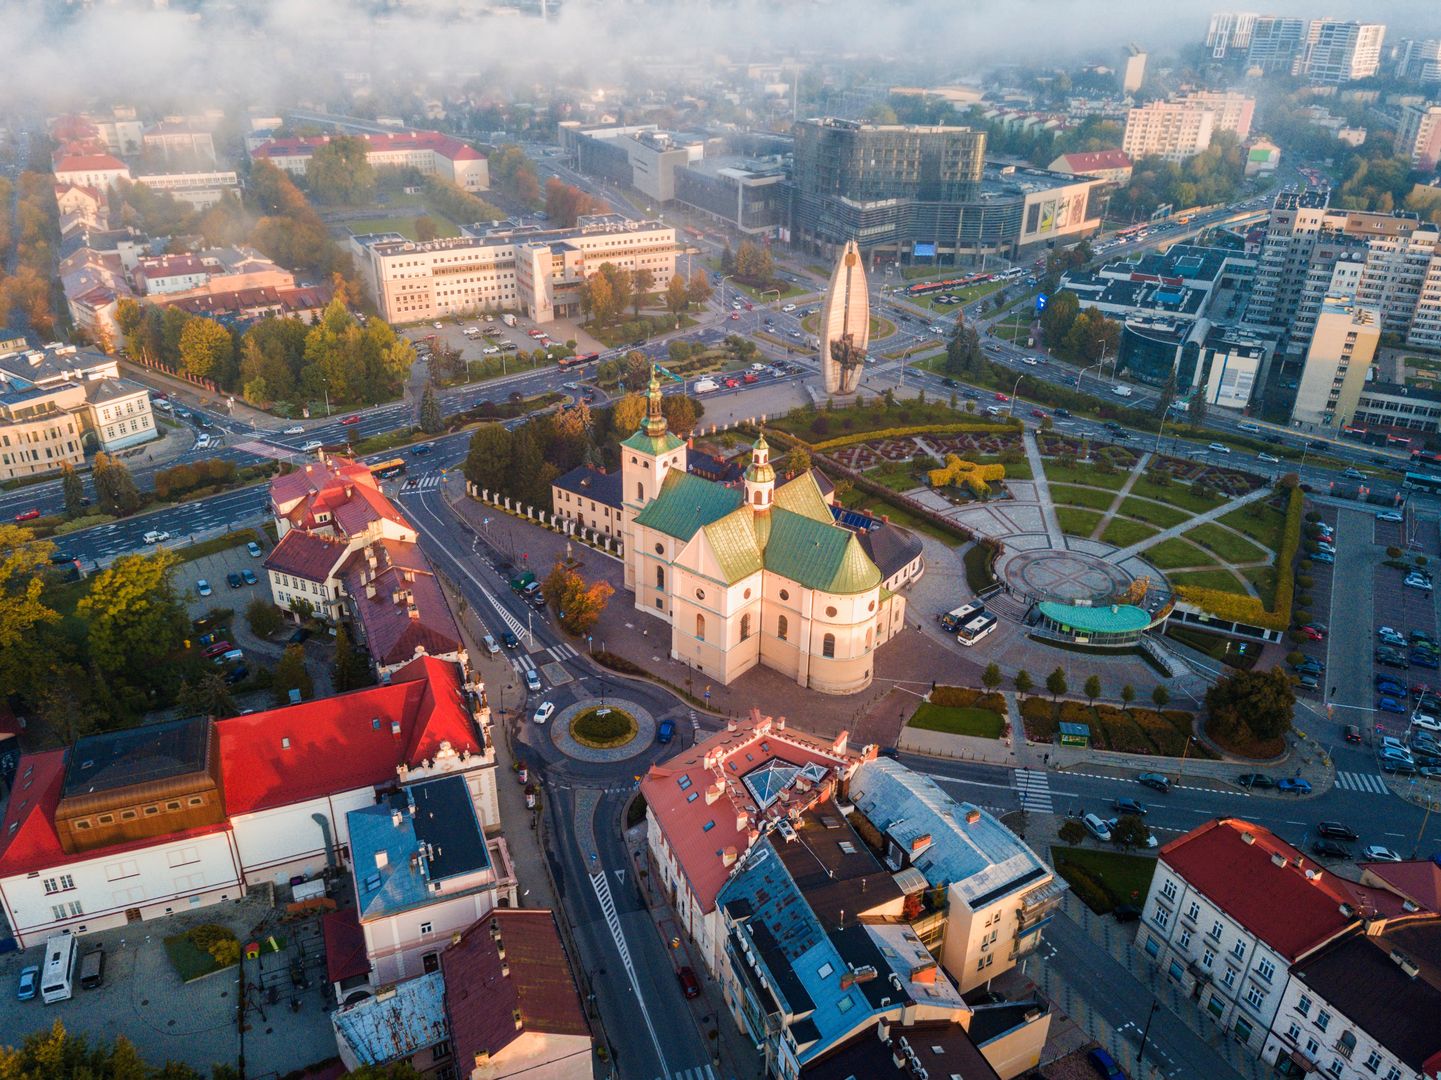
[
  {"x": 1419, "y": 135},
  {"x": 1339, "y": 52},
  {"x": 1420, "y": 60},
  {"x": 1229, "y": 34},
  {"x": 1278, "y": 45},
  {"x": 538, "y": 271},
  {"x": 1233, "y": 111},
  {"x": 1133, "y": 69},
  {"x": 1170, "y": 130},
  {"x": 432, "y": 153},
  {"x": 1342, "y": 349}
]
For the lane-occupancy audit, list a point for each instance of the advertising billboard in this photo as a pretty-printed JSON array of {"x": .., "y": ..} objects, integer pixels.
[{"x": 924, "y": 250}]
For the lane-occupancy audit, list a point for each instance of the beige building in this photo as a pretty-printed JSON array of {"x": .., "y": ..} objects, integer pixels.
[
  {"x": 536, "y": 271},
  {"x": 1133, "y": 69},
  {"x": 762, "y": 574},
  {"x": 1342, "y": 349},
  {"x": 429, "y": 152},
  {"x": 1181, "y": 128},
  {"x": 1234, "y": 112},
  {"x": 1419, "y": 135},
  {"x": 40, "y": 431}
]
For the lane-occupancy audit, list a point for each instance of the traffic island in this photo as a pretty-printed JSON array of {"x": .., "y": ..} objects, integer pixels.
[
  {"x": 603, "y": 727},
  {"x": 602, "y": 730}
]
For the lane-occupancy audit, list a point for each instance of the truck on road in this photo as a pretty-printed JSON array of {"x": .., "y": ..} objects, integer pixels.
[
  {"x": 508, "y": 319},
  {"x": 705, "y": 386}
]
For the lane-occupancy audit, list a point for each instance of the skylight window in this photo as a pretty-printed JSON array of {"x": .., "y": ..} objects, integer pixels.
[
  {"x": 825, "y": 970},
  {"x": 708, "y": 826},
  {"x": 684, "y": 782}
]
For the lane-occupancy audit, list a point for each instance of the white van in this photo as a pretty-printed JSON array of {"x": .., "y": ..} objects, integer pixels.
[
  {"x": 202, "y": 443},
  {"x": 705, "y": 386},
  {"x": 1121, "y": 391}
]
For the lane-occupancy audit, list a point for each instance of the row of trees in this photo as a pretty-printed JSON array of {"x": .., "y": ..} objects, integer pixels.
[
  {"x": 1082, "y": 335},
  {"x": 289, "y": 230},
  {"x": 511, "y": 172},
  {"x": 611, "y": 289},
  {"x": 1057, "y": 684},
  {"x": 750, "y": 263},
  {"x": 29, "y": 290},
  {"x": 565, "y": 203}
]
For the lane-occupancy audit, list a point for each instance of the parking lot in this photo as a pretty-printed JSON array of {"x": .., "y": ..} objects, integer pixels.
[{"x": 473, "y": 347}]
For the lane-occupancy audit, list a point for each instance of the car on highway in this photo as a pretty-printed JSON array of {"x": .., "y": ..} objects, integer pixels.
[
  {"x": 313, "y": 444},
  {"x": 1329, "y": 849},
  {"x": 28, "y": 515},
  {"x": 1128, "y": 806},
  {"x": 788, "y": 308},
  {"x": 1002, "y": 397},
  {"x": 509, "y": 640},
  {"x": 1377, "y": 853},
  {"x": 1096, "y": 827},
  {"x": 1038, "y": 414},
  {"x": 1318, "y": 444},
  {"x": 1354, "y": 474},
  {"x": 1255, "y": 780},
  {"x": 1299, "y": 784},
  {"x": 202, "y": 587},
  {"x": 249, "y": 576},
  {"x": 1029, "y": 361},
  {"x": 1220, "y": 448},
  {"x": 735, "y": 316},
  {"x": 234, "y": 580},
  {"x": 60, "y": 558},
  {"x": 1390, "y": 515},
  {"x": 351, "y": 419},
  {"x": 544, "y": 712},
  {"x": 295, "y": 430},
  {"x": 29, "y": 980},
  {"x": 1271, "y": 459},
  {"x": 532, "y": 677},
  {"x": 1156, "y": 781},
  {"x": 1336, "y": 830}
]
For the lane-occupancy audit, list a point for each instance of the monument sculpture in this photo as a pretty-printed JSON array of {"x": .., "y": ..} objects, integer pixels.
[{"x": 845, "y": 323}]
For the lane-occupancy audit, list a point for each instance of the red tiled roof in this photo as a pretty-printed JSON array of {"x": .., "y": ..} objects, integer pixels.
[
  {"x": 1418, "y": 881},
  {"x": 307, "y": 555},
  {"x": 316, "y": 476},
  {"x": 172, "y": 266},
  {"x": 725, "y": 758},
  {"x": 1098, "y": 161},
  {"x": 304, "y": 146},
  {"x": 392, "y": 636},
  {"x": 345, "y": 956},
  {"x": 244, "y": 302},
  {"x": 343, "y": 742},
  {"x": 481, "y": 1001},
  {"x": 1282, "y": 905},
  {"x": 90, "y": 163}
]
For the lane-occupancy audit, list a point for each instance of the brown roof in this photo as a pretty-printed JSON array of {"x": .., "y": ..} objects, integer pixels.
[
  {"x": 404, "y": 582},
  {"x": 307, "y": 555},
  {"x": 483, "y": 993},
  {"x": 1418, "y": 881},
  {"x": 344, "y": 945}
]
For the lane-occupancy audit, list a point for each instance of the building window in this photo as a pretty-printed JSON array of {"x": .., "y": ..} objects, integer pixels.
[
  {"x": 1185, "y": 939},
  {"x": 781, "y": 627},
  {"x": 1373, "y": 1062},
  {"x": 1393, "y": 1073},
  {"x": 1168, "y": 890},
  {"x": 1153, "y": 947},
  {"x": 700, "y": 627},
  {"x": 1266, "y": 969},
  {"x": 1323, "y": 1019},
  {"x": 830, "y": 612},
  {"x": 828, "y": 645},
  {"x": 1238, "y": 950},
  {"x": 785, "y": 595},
  {"x": 1216, "y": 930},
  {"x": 660, "y": 577},
  {"x": 1161, "y": 917},
  {"x": 1304, "y": 1006},
  {"x": 426, "y": 928},
  {"x": 1176, "y": 971},
  {"x": 639, "y": 491},
  {"x": 1243, "y": 1028},
  {"x": 1194, "y": 911},
  {"x": 1312, "y": 1047},
  {"x": 1254, "y": 997},
  {"x": 1294, "y": 1033},
  {"x": 660, "y": 549},
  {"x": 1228, "y": 980},
  {"x": 745, "y": 626}
]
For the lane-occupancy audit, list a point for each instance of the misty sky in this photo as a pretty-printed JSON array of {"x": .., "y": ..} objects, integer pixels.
[{"x": 276, "y": 49}]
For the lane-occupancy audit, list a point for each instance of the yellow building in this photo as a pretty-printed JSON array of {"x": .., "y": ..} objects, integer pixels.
[{"x": 758, "y": 574}]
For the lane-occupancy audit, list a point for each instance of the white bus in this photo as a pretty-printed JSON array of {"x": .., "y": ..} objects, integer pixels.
[
  {"x": 952, "y": 621},
  {"x": 976, "y": 629},
  {"x": 57, "y": 978}
]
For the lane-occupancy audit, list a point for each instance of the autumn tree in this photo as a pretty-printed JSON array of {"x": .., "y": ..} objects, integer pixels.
[
  {"x": 290, "y": 674},
  {"x": 22, "y": 608},
  {"x": 698, "y": 289},
  {"x": 57, "y": 1055},
  {"x": 627, "y": 413},
  {"x": 1256, "y": 703},
  {"x": 134, "y": 618},
  {"x": 578, "y": 605},
  {"x": 681, "y": 413},
  {"x": 352, "y": 664},
  {"x": 73, "y": 488},
  {"x": 642, "y": 281},
  {"x": 677, "y": 297},
  {"x": 753, "y": 263},
  {"x": 340, "y": 174},
  {"x": 114, "y": 486},
  {"x": 206, "y": 350},
  {"x": 431, "y": 420}
]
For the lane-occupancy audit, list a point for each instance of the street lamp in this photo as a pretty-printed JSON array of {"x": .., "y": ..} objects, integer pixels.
[
  {"x": 1164, "y": 418},
  {"x": 1141, "y": 1053},
  {"x": 1080, "y": 374},
  {"x": 326, "y": 380},
  {"x": 1014, "y": 387}
]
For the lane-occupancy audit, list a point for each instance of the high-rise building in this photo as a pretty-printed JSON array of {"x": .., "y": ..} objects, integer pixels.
[
  {"x": 1342, "y": 348},
  {"x": 1172, "y": 130},
  {"x": 1133, "y": 69},
  {"x": 1340, "y": 52},
  {"x": 1278, "y": 44},
  {"x": 1419, "y": 135},
  {"x": 1233, "y": 111},
  {"x": 1230, "y": 34},
  {"x": 1420, "y": 60}
]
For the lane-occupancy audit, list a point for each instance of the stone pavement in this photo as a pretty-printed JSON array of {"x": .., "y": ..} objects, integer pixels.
[{"x": 1043, "y": 492}]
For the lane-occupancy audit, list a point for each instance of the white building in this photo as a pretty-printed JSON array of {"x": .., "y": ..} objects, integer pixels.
[
  {"x": 99, "y": 171},
  {"x": 430, "y": 152},
  {"x": 1340, "y": 51},
  {"x": 201, "y": 190},
  {"x": 1169, "y": 130},
  {"x": 1419, "y": 136}
]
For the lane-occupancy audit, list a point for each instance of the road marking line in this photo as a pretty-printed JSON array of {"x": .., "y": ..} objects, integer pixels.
[{"x": 603, "y": 896}]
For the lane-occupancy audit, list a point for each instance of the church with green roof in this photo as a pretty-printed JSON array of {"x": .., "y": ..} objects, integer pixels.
[{"x": 759, "y": 573}]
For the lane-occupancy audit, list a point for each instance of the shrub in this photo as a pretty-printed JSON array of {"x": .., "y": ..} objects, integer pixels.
[
  {"x": 264, "y": 617},
  {"x": 963, "y": 697},
  {"x": 207, "y": 935},
  {"x": 1072, "y": 831},
  {"x": 1248, "y": 609},
  {"x": 1393, "y": 552},
  {"x": 1086, "y": 888}
]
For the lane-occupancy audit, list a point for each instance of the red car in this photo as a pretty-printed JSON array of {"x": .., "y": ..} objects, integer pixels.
[
  {"x": 1002, "y": 397},
  {"x": 218, "y": 648},
  {"x": 351, "y": 420},
  {"x": 1312, "y": 633},
  {"x": 751, "y": 377},
  {"x": 1038, "y": 414},
  {"x": 750, "y": 307},
  {"x": 735, "y": 316},
  {"x": 690, "y": 986},
  {"x": 28, "y": 515},
  {"x": 732, "y": 382}
]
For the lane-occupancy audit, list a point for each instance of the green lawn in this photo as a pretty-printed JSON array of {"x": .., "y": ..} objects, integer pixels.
[
  {"x": 1124, "y": 533},
  {"x": 1078, "y": 496},
  {"x": 216, "y": 543},
  {"x": 1263, "y": 580},
  {"x": 899, "y": 515},
  {"x": 1109, "y": 877},
  {"x": 1058, "y": 473},
  {"x": 982, "y": 723},
  {"x": 189, "y": 962},
  {"x": 1224, "y": 543},
  {"x": 880, "y": 328},
  {"x": 1169, "y": 554},
  {"x": 1161, "y": 516},
  {"x": 404, "y": 225},
  {"x": 1224, "y": 580},
  {"x": 1077, "y": 522},
  {"x": 897, "y": 475},
  {"x": 1017, "y": 331},
  {"x": 1015, "y": 470},
  {"x": 1258, "y": 520},
  {"x": 1176, "y": 494}
]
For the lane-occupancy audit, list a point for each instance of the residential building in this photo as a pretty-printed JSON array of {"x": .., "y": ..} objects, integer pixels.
[
  {"x": 432, "y": 153},
  {"x": 1338, "y": 52},
  {"x": 589, "y": 497},
  {"x": 1419, "y": 136},
  {"x": 1133, "y": 69},
  {"x": 81, "y": 208},
  {"x": 1395, "y": 273},
  {"x": 1338, "y": 360},
  {"x": 511, "y": 1003},
  {"x": 1182, "y": 127},
  {"x": 758, "y": 575},
  {"x": 207, "y": 272},
  {"x": 225, "y": 805},
  {"x": 1232, "y": 907},
  {"x": 538, "y": 271},
  {"x": 1233, "y": 111},
  {"x": 708, "y": 805},
  {"x": 201, "y": 190},
  {"x": 998, "y": 893},
  {"x": 1364, "y": 1005},
  {"x": 1278, "y": 45},
  {"x": 39, "y": 430},
  {"x": 99, "y": 171},
  {"x": 397, "y": 605},
  {"x": 1112, "y": 166},
  {"x": 1229, "y": 35},
  {"x": 240, "y": 307},
  {"x": 12, "y": 341},
  {"x": 1420, "y": 61}
]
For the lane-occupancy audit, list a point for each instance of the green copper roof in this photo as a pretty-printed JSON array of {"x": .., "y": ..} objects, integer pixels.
[
  {"x": 818, "y": 556},
  {"x": 686, "y": 503},
  {"x": 801, "y": 496},
  {"x": 733, "y": 540},
  {"x": 1111, "y": 619},
  {"x": 647, "y": 445}
]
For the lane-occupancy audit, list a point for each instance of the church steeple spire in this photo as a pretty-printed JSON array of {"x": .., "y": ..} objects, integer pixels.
[
  {"x": 760, "y": 477},
  {"x": 655, "y": 425}
]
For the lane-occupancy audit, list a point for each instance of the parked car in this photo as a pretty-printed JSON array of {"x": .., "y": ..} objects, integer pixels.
[
  {"x": 202, "y": 587},
  {"x": 237, "y": 675},
  {"x": 1335, "y": 830},
  {"x": 233, "y": 580},
  {"x": 1329, "y": 849},
  {"x": 1299, "y": 784},
  {"x": 1390, "y": 636},
  {"x": 1308, "y": 681},
  {"x": 249, "y": 576},
  {"x": 1390, "y": 515},
  {"x": 1156, "y": 781},
  {"x": 1255, "y": 780},
  {"x": 1105, "y": 1065},
  {"x": 1386, "y": 703},
  {"x": 689, "y": 984},
  {"x": 1387, "y": 685},
  {"x": 300, "y": 634},
  {"x": 1096, "y": 827},
  {"x": 254, "y": 550},
  {"x": 1377, "y": 853},
  {"x": 1324, "y": 557},
  {"x": 218, "y": 648},
  {"x": 1128, "y": 806},
  {"x": 29, "y": 981},
  {"x": 491, "y": 647},
  {"x": 1313, "y": 633}
]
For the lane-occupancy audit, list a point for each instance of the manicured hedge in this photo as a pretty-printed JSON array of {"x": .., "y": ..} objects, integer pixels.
[
  {"x": 999, "y": 427},
  {"x": 964, "y": 697}
]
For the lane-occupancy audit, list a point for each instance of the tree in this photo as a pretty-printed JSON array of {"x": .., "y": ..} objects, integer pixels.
[
  {"x": 1071, "y": 832},
  {"x": 1258, "y": 703},
  {"x": 1024, "y": 682},
  {"x": 23, "y": 611},
  {"x": 681, "y": 413},
  {"x": 642, "y": 281},
  {"x": 1061, "y": 312},
  {"x": 290, "y": 674},
  {"x": 426, "y": 228},
  {"x": 264, "y": 617},
  {"x": 352, "y": 664},
  {"x": 1092, "y": 689},
  {"x": 727, "y": 259},
  {"x": 578, "y": 605},
  {"x": 487, "y": 464},
  {"x": 698, "y": 289},
  {"x": 597, "y": 299},
  {"x": 1128, "y": 695},
  {"x": 991, "y": 677},
  {"x": 1196, "y": 407},
  {"x": 73, "y": 488},
  {"x": 1160, "y": 696},
  {"x": 627, "y": 413},
  {"x": 134, "y": 619},
  {"x": 340, "y": 173},
  {"x": 1130, "y": 831},
  {"x": 302, "y": 608},
  {"x": 798, "y": 461},
  {"x": 55, "y": 1053},
  {"x": 114, "y": 486},
  {"x": 677, "y": 297},
  {"x": 1056, "y": 683},
  {"x": 431, "y": 422},
  {"x": 206, "y": 350},
  {"x": 207, "y": 695}
]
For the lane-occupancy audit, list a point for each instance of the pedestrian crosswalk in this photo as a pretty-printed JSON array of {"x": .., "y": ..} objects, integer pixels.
[
  {"x": 698, "y": 1072},
  {"x": 525, "y": 662},
  {"x": 1355, "y": 781},
  {"x": 1034, "y": 788},
  {"x": 428, "y": 482}
]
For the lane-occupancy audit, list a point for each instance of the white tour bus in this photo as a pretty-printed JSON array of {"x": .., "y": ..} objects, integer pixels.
[
  {"x": 952, "y": 621},
  {"x": 57, "y": 978},
  {"x": 976, "y": 629}
]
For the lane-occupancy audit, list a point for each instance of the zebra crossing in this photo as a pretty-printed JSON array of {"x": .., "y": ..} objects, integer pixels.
[
  {"x": 699, "y": 1072},
  {"x": 559, "y": 653},
  {"x": 428, "y": 482},
  {"x": 1368, "y": 782},
  {"x": 1034, "y": 788}
]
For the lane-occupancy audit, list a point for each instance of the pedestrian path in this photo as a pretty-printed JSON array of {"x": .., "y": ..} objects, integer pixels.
[
  {"x": 1043, "y": 492},
  {"x": 1369, "y": 782},
  {"x": 1122, "y": 554},
  {"x": 1034, "y": 788},
  {"x": 559, "y": 653},
  {"x": 428, "y": 482}
]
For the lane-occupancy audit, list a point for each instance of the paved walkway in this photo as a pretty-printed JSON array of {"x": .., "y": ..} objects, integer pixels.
[
  {"x": 1043, "y": 492},
  {"x": 1137, "y": 471},
  {"x": 1122, "y": 554}
]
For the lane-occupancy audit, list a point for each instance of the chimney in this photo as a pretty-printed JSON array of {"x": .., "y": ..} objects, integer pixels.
[
  {"x": 515, "y": 1015},
  {"x": 714, "y": 792},
  {"x": 482, "y": 1058},
  {"x": 742, "y": 821},
  {"x": 1248, "y": 838},
  {"x": 382, "y": 860},
  {"x": 729, "y": 856},
  {"x": 973, "y": 816},
  {"x": 413, "y": 611},
  {"x": 1277, "y": 859},
  {"x": 396, "y": 817},
  {"x": 731, "y": 724},
  {"x": 370, "y": 591},
  {"x": 883, "y": 1031},
  {"x": 780, "y": 723},
  {"x": 504, "y": 969}
]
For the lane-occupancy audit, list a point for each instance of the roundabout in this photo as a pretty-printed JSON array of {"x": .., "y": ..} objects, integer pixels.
[
  {"x": 604, "y": 727},
  {"x": 602, "y": 732}
]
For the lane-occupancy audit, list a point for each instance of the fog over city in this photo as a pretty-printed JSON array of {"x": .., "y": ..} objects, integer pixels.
[{"x": 282, "y": 47}]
